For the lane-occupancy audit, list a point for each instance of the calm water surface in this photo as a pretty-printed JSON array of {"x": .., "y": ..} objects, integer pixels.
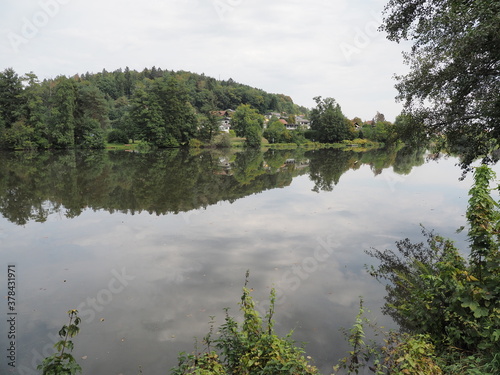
[{"x": 148, "y": 247}]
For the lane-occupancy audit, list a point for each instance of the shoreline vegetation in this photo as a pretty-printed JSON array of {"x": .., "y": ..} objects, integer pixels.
[{"x": 359, "y": 145}]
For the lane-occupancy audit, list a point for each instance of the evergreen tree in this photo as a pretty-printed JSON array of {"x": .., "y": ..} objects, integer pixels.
[
  {"x": 11, "y": 89},
  {"x": 61, "y": 114}
]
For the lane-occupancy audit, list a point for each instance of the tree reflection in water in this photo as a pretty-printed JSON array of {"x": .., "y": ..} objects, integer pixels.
[{"x": 36, "y": 185}]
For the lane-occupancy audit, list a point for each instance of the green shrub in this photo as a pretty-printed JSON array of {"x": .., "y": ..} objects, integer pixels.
[
  {"x": 253, "y": 137},
  {"x": 222, "y": 140},
  {"x": 117, "y": 136},
  {"x": 195, "y": 143},
  {"x": 434, "y": 291},
  {"x": 143, "y": 146},
  {"x": 311, "y": 135},
  {"x": 62, "y": 362},
  {"x": 400, "y": 353},
  {"x": 251, "y": 348}
]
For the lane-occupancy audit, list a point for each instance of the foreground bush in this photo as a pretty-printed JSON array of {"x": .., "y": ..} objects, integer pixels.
[
  {"x": 248, "y": 349},
  {"x": 454, "y": 302}
]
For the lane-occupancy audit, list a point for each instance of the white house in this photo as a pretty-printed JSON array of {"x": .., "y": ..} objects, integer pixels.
[
  {"x": 301, "y": 121},
  {"x": 225, "y": 124}
]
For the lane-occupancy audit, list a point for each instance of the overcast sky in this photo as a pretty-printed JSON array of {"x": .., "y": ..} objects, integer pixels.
[{"x": 328, "y": 48}]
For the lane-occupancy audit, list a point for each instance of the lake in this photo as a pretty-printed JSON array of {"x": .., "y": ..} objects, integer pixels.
[{"x": 149, "y": 246}]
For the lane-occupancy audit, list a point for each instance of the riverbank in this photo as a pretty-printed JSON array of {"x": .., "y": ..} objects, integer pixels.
[{"x": 359, "y": 145}]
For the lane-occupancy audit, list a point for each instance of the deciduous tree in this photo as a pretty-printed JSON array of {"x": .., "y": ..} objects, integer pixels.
[
  {"x": 248, "y": 123},
  {"x": 209, "y": 126},
  {"x": 146, "y": 115},
  {"x": 91, "y": 117},
  {"x": 453, "y": 86},
  {"x": 329, "y": 122},
  {"x": 178, "y": 114},
  {"x": 276, "y": 132}
]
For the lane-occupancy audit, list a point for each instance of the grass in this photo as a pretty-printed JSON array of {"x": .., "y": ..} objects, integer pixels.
[
  {"x": 120, "y": 146},
  {"x": 237, "y": 142}
]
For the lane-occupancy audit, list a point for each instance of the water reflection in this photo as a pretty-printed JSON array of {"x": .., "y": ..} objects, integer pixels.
[
  {"x": 36, "y": 185},
  {"x": 182, "y": 228}
]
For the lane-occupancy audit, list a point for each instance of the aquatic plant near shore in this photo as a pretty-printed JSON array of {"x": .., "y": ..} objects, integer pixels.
[{"x": 62, "y": 362}]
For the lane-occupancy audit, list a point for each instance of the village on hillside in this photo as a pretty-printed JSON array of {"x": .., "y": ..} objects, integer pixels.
[{"x": 300, "y": 121}]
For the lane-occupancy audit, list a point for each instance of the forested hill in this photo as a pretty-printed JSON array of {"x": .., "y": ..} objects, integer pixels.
[
  {"x": 170, "y": 107},
  {"x": 205, "y": 92}
]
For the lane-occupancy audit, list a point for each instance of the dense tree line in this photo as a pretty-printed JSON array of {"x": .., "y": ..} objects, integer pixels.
[
  {"x": 60, "y": 113},
  {"x": 164, "y": 108}
]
